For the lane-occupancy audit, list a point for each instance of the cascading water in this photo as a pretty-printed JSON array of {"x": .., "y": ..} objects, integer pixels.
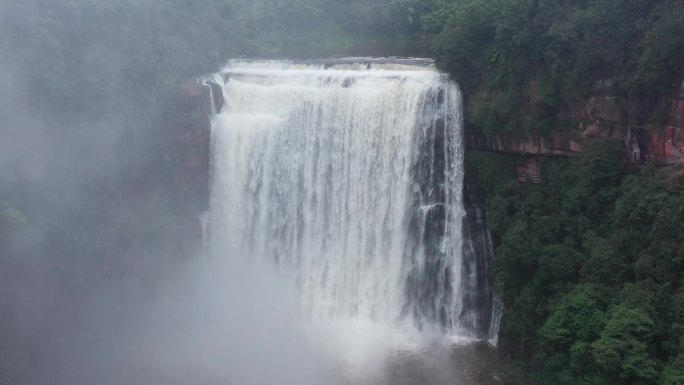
[{"x": 348, "y": 176}]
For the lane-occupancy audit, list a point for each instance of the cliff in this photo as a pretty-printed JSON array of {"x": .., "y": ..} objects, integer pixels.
[{"x": 598, "y": 117}]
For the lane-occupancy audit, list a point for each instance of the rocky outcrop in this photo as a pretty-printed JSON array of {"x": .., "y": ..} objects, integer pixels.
[
  {"x": 556, "y": 146},
  {"x": 597, "y": 117},
  {"x": 528, "y": 170},
  {"x": 478, "y": 254}
]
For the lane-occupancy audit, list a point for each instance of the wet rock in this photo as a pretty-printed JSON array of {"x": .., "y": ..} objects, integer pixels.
[{"x": 217, "y": 93}]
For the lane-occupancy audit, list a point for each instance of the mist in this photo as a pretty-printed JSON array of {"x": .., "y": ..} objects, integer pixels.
[
  {"x": 208, "y": 323},
  {"x": 101, "y": 275},
  {"x": 104, "y": 278}
]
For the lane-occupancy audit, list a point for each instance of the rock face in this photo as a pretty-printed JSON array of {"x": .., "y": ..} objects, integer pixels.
[
  {"x": 478, "y": 254},
  {"x": 669, "y": 145},
  {"x": 598, "y": 117},
  {"x": 555, "y": 146},
  {"x": 528, "y": 170}
]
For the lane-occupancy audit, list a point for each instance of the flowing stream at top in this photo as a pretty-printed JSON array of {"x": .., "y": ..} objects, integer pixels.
[{"x": 348, "y": 175}]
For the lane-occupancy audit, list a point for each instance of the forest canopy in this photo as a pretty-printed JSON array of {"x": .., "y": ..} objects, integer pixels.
[{"x": 590, "y": 266}]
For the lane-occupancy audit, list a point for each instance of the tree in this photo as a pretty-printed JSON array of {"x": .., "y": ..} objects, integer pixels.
[
  {"x": 623, "y": 348},
  {"x": 568, "y": 332}
]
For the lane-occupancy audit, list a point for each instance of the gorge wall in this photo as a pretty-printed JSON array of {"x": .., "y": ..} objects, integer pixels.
[{"x": 597, "y": 117}]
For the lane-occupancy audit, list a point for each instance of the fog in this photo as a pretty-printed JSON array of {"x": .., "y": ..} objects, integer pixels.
[
  {"x": 103, "y": 279},
  {"x": 210, "y": 323},
  {"x": 100, "y": 283}
]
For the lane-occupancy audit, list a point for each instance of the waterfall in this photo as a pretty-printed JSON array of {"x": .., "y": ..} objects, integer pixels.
[
  {"x": 483, "y": 307},
  {"x": 348, "y": 176}
]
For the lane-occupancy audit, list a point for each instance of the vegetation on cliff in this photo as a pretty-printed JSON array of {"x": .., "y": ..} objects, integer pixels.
[
  {"x": 590, "y": 268},
  {"x": 524, "y": 63},
  {"x": 589, "y": 263}
]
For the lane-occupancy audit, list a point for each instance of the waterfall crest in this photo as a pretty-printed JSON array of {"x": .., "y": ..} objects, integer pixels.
[{"x": 348, "y": 175}]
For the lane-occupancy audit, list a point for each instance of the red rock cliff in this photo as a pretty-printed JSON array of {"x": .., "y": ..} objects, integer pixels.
[{"x": 600, "y": 117}]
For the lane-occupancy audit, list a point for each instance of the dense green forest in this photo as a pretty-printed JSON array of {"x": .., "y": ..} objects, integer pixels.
[
  {"x": 523, "y": 62},
  {"x": 589, "y": 264}
]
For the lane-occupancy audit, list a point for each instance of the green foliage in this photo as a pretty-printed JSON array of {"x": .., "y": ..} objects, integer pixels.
[
  {"x": 567, "y": 334},
  {"x": 674, "y": 372},
  {"x": 593, "y": 179},
  {"x": 520, "y": 61},
  {"x": 663, "y": 49},
  {"x": 589, "y": 267},
  {"x": 576, "y": 319},
  {"x": 490, "y": 171},
  {"x": 469, "y": 29},
  {"x": 622, "y": 350}
]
